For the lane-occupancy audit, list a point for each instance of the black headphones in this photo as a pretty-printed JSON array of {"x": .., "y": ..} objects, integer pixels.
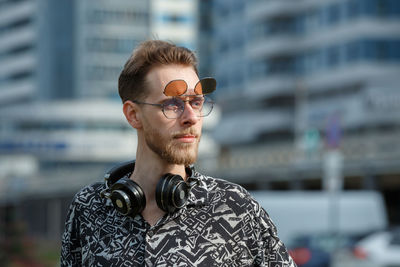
[{"x": 128, "y": 197}]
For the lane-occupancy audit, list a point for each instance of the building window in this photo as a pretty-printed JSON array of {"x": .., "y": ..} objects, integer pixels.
[
  {"x": 223, "y": 46},
  {"x": 394, "y": 49},
  {"x": 258, "y": 30},
  {"x": 21, "y": 75},
  {"x": 17, "y": 24},
  {"x": 281, "y": 65},
  {"x": 103, "y": 72},
  {"x": 353, "y": 8},
  {"x": 352, "y": 51},
  {"x": 281, "y": 25},
  {"x": 117, "y": 16},
  {"x": 311, "y": 20},
  {"x": 332, "y": 56},
  {"x": 387, "y": 7},
  {"x": 333, "y": 14},
  {"x": 176, "y": 18},
  {"x": 382, "y": 50},
  {"x": 222, "y": 9},
  {"x": 258, "y": 69},
  {"x": 111, "y": 45}
]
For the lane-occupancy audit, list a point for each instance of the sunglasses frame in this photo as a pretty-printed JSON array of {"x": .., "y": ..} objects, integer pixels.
[{"x": 162, "y": 106}]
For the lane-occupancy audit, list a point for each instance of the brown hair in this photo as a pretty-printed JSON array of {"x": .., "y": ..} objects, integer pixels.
[{"x": 150, "y": 54}]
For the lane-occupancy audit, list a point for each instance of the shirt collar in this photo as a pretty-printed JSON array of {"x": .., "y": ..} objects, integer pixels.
[{"x": 199, "y": 193}]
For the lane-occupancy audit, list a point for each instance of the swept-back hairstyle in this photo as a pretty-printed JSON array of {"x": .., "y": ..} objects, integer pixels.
[{"x": 150, "y": 54}]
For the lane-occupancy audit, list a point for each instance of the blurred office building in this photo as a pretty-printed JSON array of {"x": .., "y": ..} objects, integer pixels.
[
  {"x": 206, "y": 38},
  {"x": 61, "y": 117},
  {"x": 302, "y": 80}
]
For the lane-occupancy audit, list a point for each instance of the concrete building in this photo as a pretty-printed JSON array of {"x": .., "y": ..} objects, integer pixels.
[
  {"x": 300, "y": 78},
  {"x": 60, "y": 64},
  {"x": 106, "y": 32},
  {"x": 61, "y": 123},
  {"x": 17, "y": 51},
  {"x": 175, "y": 20},
  {"x": 205, "y": 38},
  {"x": 59, "y": 72}
]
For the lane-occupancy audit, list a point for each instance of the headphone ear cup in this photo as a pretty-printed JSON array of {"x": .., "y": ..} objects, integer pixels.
[
  {"x": 171, "y": 192},
  {"x": 127, "y": 197}
]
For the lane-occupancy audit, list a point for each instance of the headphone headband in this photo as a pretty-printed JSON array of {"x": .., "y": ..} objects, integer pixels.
[
  {"x": 119, "y": 171},
  {"x": 124, "y": 168}
]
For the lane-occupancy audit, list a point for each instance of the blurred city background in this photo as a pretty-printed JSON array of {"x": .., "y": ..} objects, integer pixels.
[{"x": 307, "y": 115}]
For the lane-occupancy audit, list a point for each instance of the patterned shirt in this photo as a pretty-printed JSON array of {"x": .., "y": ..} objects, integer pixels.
[{"x": 220, "y": 225}]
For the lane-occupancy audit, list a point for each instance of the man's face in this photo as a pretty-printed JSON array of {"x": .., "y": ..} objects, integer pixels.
[{"x": 174, "y": 140}]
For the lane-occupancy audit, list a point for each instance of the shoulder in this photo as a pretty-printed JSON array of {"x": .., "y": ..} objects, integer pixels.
[
  {"x": 233, "y": 199},
  {"x": 218, "y": 185},
  {"x": 85, "y": 202},
  {"x": 223, "y": 192},
  {"x": 89, "y": 196}
]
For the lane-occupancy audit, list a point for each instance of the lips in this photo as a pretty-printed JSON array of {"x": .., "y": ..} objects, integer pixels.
[{"x": 186, "y": 138}]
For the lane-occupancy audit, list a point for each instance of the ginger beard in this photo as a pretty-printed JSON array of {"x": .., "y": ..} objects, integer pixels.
[{"x": 170, "y": 149}]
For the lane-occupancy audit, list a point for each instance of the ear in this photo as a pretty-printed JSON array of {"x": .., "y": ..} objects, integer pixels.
[{"x": 132, "y": 114}]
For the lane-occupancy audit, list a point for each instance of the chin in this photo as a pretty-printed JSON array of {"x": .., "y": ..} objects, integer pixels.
[{"x": 182, "y": 156}]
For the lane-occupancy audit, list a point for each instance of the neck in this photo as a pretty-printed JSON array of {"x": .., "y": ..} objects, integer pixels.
[{"x": 147, "y": 173}]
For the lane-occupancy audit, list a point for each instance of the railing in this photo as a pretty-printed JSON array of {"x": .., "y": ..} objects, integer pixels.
[{"x": 375, "y": 150}]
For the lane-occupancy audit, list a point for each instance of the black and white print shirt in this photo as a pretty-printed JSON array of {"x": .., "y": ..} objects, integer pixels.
[{"x": 221, "y": 225}]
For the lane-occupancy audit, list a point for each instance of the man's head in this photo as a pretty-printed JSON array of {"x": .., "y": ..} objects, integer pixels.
[
  {"x": 132, "y": 82},
  {"x": 142, "y": 86}
]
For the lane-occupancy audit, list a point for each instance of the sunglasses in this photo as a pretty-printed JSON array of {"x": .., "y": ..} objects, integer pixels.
[{"x": 179, "y": 87}]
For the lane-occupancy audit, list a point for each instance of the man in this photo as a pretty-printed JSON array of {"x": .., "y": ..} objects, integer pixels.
[{"x": 158, "y": 211}]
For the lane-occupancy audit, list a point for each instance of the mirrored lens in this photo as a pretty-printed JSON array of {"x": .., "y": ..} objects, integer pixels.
[
  {"x": 175, "y": 88},
  {"x": 205, "y": 86}
]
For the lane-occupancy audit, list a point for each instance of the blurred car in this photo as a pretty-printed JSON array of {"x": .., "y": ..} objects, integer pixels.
[
  {"x": 317, "y": 250},
  {"x": 380, "y": 249}
]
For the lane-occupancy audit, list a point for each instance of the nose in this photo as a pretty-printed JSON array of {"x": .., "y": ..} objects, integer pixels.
[{"x": 189, "y": 116}]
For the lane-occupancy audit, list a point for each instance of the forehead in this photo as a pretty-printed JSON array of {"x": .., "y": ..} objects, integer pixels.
[{"x": 160, "y": 76}]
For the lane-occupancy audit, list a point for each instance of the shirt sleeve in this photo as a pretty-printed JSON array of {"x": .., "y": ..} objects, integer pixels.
[
  {"x": 272, "y": 250},
  {"x": 71, "y": 251}
]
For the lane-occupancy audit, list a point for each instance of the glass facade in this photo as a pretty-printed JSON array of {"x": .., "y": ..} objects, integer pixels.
[
  {"x": 323, "y": 57},
  {"x": 129, "y": 17},
  {"x": 111, "y": 45},
  {"x": 304, "y": 27},
  {"x": 323, "y": 16},
  {"x": 342, "y": 54}
]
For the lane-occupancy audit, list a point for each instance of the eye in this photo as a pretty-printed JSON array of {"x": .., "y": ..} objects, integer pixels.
[
  {"x": 197, "y": 102},
  {"x": 173, "y": 104}
]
